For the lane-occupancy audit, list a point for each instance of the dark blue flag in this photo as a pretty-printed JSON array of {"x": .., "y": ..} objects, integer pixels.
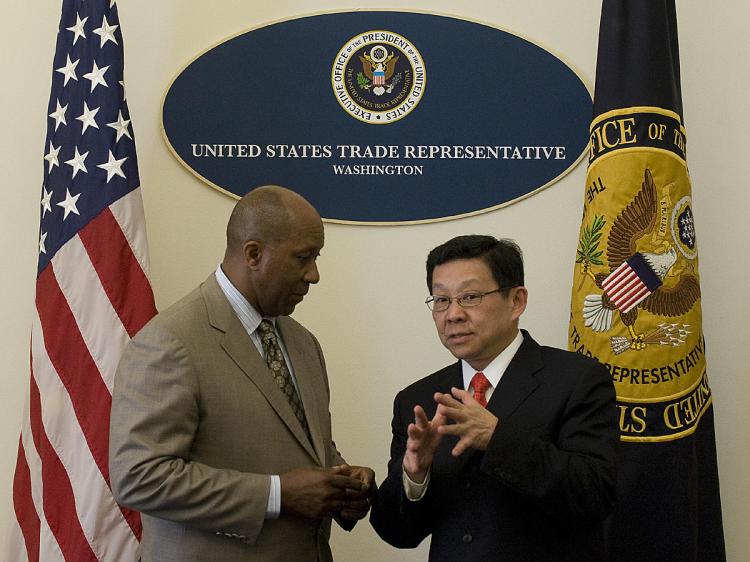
[{"x": 636, "y": 302}]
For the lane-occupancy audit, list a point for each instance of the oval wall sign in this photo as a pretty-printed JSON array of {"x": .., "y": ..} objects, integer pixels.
[{"x": 379, "y": 117}]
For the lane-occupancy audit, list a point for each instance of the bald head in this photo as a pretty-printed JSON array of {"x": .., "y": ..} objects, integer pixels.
[
  {"x": 274, "y": 237},
  {"x": 266, "y": 214}
]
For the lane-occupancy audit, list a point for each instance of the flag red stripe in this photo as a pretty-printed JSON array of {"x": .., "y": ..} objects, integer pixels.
[
  {"x": 134, "y": 520},
  {"x": 634, "y": 295},
  {"x": 632, "y": 304},
  {"x": 23, "y": 504},
  {"x": 120, "y": 273},
  {"x": 59, "y": 503},
  {"x": 617, "y": 288},
  {"x": 80, "y": 375},
  {"x": 622, "y": 278},
  {"x": 621, "y": 291},
  {"x": 613, "y": 277},
  {"x": 626, "y": 292},
  {"x": 71, "y": 359}
]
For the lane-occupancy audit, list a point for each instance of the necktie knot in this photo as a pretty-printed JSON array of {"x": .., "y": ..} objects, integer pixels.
[
  {"x": 266, "y": 330},
  {"x": 270, "y": 345},
  {"x": 480, "y": 383}
]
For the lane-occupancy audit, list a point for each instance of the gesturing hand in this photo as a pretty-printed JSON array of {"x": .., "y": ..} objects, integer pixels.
[
  {"x": 422, "y": 440},
  {"x": 474, "y": 424},
  {"x": 315, "y": 493}
]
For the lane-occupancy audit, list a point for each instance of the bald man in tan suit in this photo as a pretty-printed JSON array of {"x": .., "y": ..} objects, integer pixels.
[{"x": 222, "y": 442}]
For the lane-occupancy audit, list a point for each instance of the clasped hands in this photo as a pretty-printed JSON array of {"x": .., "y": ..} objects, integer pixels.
[
  {"x": 473, "y": 425},
  {"x": 315, "y": 493}
]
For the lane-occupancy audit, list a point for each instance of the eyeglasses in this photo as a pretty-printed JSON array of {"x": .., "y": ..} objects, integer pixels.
[{"x": 439, "y": 303}]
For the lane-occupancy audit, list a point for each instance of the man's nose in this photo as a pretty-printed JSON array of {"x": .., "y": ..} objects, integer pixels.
[
  {"x": 455, "y": 312},
  {"x": 312, "y": 275}
]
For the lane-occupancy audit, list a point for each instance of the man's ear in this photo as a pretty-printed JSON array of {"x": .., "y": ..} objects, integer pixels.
[
  {"x": 520, "y": 297},
  {"x": 252, "y": 252}
]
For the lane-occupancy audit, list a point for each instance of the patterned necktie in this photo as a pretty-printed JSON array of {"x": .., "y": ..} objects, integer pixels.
[
  {"x": 480, "y": 384},
  {"x": 277, "y": 364}
]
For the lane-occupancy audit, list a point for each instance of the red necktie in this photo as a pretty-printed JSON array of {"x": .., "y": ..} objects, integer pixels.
[{"x": 480, "y": 384}]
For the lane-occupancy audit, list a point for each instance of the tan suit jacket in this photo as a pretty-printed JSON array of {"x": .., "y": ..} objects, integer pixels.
[{"x": 197, "y": 426}]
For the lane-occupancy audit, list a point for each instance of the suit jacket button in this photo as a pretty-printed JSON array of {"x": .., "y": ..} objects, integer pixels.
[
  {"x": 468, "y": 538},
  {"x": 467, "y": 484}
]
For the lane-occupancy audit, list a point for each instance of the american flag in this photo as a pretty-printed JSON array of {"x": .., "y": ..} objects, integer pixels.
[
  {"x": 631, "y": 283},
  {"x": 92, "y": 296}
]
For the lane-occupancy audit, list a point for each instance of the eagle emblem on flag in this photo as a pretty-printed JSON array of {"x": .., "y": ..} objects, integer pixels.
[{"x": 636, "y": 278}]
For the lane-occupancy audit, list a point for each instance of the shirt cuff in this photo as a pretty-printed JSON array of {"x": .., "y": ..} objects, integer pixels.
[
  {"x": 414, "y": 491},
  {"x": 273, "y": 508}
]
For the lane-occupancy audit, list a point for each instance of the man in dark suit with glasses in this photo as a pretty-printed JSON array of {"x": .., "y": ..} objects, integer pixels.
[{"x": 509, "y": 453}]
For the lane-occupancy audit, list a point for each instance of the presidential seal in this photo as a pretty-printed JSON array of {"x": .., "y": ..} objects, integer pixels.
[{"x": 378, "y": 77}]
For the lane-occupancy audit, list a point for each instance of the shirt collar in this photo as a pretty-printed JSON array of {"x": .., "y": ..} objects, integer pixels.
[
  {"x": 248, "y": 316},
  {"x": 495, "y": 370}
]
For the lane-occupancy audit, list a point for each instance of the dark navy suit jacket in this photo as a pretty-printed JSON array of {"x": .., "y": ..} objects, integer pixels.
[{"x": 543, "y": 486}]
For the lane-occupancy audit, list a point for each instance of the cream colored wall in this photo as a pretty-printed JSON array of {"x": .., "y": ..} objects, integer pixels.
[{"x": 367, "y": 310}]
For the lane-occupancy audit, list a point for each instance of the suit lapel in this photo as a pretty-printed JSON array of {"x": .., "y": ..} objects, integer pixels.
[
  {"x": 444, "y": 460},
  {"x": 238, "y": 345},
  {"x": 518, "y": 381}
]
